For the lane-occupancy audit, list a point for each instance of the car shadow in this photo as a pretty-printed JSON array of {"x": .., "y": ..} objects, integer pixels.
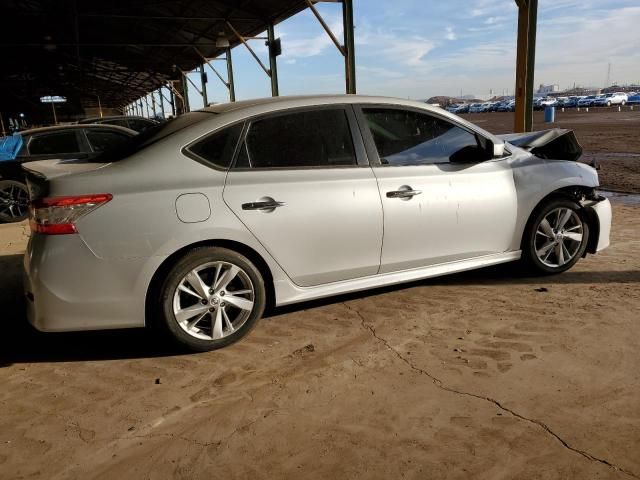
[{"x": 21, "y": 343}]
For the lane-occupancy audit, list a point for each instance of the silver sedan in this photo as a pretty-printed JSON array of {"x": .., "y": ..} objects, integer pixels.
[{"x": 200, "y": 223}]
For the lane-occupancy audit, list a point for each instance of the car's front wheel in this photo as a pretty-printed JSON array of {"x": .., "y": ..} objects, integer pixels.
[
  {"x": 211, "y": 298},
  {"x": 556, "y": 237},
  {"x": 14, "y": 201}
]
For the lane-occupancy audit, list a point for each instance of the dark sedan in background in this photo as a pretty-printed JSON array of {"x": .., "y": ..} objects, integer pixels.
[
  {"x": 139, "y": 124},
  {"x": 71, "y": 142}
]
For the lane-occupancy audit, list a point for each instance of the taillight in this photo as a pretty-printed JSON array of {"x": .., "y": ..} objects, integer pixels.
[{"x": 57, "y": 215}]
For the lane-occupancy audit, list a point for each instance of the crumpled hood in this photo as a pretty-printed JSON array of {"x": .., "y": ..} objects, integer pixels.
[{"x": 554, "y": 144}]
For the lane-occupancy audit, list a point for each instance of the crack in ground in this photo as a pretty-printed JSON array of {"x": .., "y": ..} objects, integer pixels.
[{"x": 438, "y": 383}]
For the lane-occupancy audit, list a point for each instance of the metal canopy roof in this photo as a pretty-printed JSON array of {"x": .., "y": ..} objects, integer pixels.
[{"x": 118, "y": 50}]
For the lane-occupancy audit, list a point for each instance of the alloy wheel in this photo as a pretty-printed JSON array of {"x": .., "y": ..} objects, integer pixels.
[
  {"x": 14, "y": 201},
  {"x": 213, "y": 300},
  {"x": 559, "y": 236}
]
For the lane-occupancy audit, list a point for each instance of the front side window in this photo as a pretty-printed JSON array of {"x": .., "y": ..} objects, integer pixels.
[
  {"x": 405, "y": 137},
  {"x": 54, "y": 143},
  {"x": 316, "y": 138}
]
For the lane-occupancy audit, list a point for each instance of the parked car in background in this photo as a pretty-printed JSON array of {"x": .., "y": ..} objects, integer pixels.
[
  {"x": 222, "y": 211},
  {"x": 587, "y": 101},
  {"x": 609, "y": 99},
  {"x": 549, "y": 102},
  {"x": 476, "y": 108},
  {"x": 139, "y": 124},
  {"x": 633, "y": 99},
  {"x": 461, "y": 108},
  {"x": 571, "y": 102},
  {"x": 69, "y": 142}
]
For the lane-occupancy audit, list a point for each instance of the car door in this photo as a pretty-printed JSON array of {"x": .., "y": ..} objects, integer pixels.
[
  {"x": 441, "y": 201},
  {"x": 302, "y": 185}
]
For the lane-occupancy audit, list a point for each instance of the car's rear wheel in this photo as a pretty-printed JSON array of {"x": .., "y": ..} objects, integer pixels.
[
  {"x": 556, "y": 237},
  {"x": 211, "y": 298},
  {"x": 14, "y": 201}
]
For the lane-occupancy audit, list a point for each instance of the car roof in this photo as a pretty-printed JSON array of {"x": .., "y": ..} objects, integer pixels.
[
  {"x": 116, "y": 117},
  {"x": 56, "y": 128},
  {"x": 293, "y": 101}
]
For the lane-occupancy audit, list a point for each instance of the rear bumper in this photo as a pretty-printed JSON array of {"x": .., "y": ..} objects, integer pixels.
[{"x": 68, "y": 288}]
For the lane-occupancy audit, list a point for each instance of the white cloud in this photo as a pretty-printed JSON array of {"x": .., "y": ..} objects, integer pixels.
[
  {"x": 409, "y": 51},
  {"x": 450, "y": 35}
]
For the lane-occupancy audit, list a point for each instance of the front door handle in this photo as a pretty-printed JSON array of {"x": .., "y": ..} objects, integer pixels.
[
  {"x": 404, "y": 194},
  {"x": 264, "y": 206}
]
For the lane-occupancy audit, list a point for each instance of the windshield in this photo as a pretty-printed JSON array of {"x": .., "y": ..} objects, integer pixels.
[{"x": 150, "y": 136}]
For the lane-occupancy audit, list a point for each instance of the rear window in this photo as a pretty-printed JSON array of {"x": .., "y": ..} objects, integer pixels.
[
  {"x": 54, "y": 143},
  {"x": 102, "y": 140},
  {"x": 151, "y": 136}
]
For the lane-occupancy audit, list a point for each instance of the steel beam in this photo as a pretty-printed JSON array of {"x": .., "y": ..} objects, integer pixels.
[
  {"x": 162, "y": 103},
  {"x": 244, "y": 42},
  {"x": 232, "y": 88},
  {"x": 203, "y": 82},
  {"x": 153, "y": 104},
  {"x": 325, "y": 26},
  {"x": 273, "y": 61},
  {"x": 349, "y": 46}
]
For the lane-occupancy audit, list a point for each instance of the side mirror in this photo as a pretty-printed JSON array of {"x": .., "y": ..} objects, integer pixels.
[{"x": 490, "y": 149}]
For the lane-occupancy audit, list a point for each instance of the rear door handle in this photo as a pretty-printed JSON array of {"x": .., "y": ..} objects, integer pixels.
[
  {"x": 403, "y": 193},
  {"x": 266, "y": 205}
]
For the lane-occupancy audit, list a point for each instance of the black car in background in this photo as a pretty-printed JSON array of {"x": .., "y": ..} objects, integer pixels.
[
  {"x": 139, "y": 124},
  {"x": 65, "y": 142}
]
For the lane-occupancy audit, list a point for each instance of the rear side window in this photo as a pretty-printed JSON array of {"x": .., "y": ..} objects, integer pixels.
[
  {"x": 101, "y": 140},
  {"x": 405, "y": 137},
  {"x": 54, "y": 143},
  {"x": 316, "y": 138},
  {"x": 218, "y": 148}
]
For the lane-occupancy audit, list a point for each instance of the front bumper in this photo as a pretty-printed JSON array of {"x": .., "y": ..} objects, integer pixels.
[
  {"x": 68, "y": 288},
  {"x": 603, "y": 211}
]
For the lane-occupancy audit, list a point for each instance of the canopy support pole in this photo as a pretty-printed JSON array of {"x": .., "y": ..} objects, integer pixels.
[
  {"x": 525, "y": 64},
  {"x": 273, "y": 61}
]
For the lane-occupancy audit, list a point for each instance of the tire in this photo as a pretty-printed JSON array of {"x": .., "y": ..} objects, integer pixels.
[
  {"x": 14, "y": 201},
  {"x": 623, "y": 103},
  {"x": 556, "y": 247},
  {"x": 219, "y": 321}
]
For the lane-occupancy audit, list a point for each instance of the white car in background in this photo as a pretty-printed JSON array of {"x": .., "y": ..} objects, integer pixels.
[
  {"x": 608, "y": 99},
  {"x": 476, "y": 108}
]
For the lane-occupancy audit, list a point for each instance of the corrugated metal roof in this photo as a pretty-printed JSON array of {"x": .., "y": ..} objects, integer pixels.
[{"x": 116, "y": 49}]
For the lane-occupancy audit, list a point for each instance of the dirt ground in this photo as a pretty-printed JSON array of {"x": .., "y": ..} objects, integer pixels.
[
  {"x": 606, "y": 135},
  {"x": 483, "y": 375}
]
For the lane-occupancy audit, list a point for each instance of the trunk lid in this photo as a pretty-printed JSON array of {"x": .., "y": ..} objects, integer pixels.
[{"x": 40, "y": 174}]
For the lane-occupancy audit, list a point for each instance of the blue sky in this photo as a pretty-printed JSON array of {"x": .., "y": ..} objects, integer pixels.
[{"x": 417, "y": 49}]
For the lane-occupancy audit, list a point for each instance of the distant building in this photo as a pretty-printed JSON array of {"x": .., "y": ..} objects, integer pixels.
[{"x": 551, "y": 88}]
